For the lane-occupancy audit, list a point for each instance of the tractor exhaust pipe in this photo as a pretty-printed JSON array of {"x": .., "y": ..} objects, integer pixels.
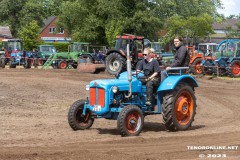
[{"x": 129, "y": 73}]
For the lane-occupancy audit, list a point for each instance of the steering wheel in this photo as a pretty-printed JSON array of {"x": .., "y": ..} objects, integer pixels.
[{"x": 137, "y": 73}]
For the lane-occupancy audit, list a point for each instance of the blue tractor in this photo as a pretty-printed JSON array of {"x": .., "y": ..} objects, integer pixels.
[
  {"x": 123, "y": 99},
  {"x": 228, "y": 61},
  {"x": 20, "y": 58}
]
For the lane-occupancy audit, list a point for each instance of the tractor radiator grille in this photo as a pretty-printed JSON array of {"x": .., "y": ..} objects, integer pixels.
[{"x": 97, "y": 96}]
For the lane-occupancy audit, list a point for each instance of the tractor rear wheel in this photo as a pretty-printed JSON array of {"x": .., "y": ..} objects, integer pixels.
[
  {"x": 234, "y": 68},
  {"x": 195, "y": 67},
  {"x": 179, "y": 108},
  {"x": 115, "y": 63},
  {"x": 204, "y": 70},
  {"x": 27, "y": 63},
  {"x": 76, "y": 119},
  {"x": 11, "y": 65},
  {"x": 2, "y": 61},
  {"x": 130, "y": 121},
  {"x": 62, "y": 64}
]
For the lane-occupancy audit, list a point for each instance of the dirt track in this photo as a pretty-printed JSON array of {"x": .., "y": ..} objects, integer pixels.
[{"x": 33, "y": 121}]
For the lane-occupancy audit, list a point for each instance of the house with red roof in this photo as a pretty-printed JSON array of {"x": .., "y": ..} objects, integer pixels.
[{"x": 50, "y": 32}]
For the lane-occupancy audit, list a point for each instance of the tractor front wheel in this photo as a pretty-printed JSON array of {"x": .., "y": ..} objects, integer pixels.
[
  {"x": 2, "y": 61},
  {"x": 76, "y": 119},
  {"x": 115, "y": 63},
  {"x": 179, "y": 108},
  {"x": 27, "y": 63},
  {"x": 130, "y": 121},
  {"x": 11, "y": 63}
]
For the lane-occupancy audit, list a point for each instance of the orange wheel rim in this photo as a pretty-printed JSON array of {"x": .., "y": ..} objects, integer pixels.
[
  {"x": 133, "y": 122},
  {"x": 236, "y": 69},
  {"x": 198, "y": 68},
  {"x": 184, "y": 107},
  {"x": 63, "y": 65}
]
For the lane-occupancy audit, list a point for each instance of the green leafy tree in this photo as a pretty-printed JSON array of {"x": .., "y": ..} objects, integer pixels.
[
  {"x": 233, "y": 33},
  {"x": 29, "y": 35},
  {"x": 189, "y": 18},
  {"x": 113, "y": 29},
  {"x": 17, "y": 13},
  {"x": 32, "y": 10},
  {"x": 51, "y": 7},
  {"x": 199, "y": 27},
  {"x": 95, "y": 20},
  {"x": 186, "y": 8},
  {"x": 80, "y": 23},
  {"x": 9, "y": 10}
]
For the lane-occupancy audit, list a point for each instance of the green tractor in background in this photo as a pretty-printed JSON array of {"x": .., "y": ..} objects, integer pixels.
[
  {"x": 167, "y": 58},
  {"x": 44, "y": 52},
  {"x": 63, "y": 60}
]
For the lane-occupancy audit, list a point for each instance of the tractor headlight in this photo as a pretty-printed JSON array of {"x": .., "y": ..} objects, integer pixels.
[
  {"x": 87, "y": 87},
  {"x": 115, "y": 89}
]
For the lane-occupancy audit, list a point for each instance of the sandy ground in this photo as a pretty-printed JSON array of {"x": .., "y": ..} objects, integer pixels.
[{"x": 33, "y": 122}]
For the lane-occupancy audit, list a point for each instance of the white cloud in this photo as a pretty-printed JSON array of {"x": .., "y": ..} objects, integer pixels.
[{"x": 230, "y": 7}]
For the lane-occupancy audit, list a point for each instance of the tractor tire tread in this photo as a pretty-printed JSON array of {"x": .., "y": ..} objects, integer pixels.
[
  {"x": 168, "y": 108},
  {"x": 122, "y": 117},
  {"x": 71, "y": 116},
  {"x": 122, "y": 63}
]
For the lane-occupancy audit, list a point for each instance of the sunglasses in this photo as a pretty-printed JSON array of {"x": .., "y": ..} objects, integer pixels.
[{"x": 146, "y": 54}]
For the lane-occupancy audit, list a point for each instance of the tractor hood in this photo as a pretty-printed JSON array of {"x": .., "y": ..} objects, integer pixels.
[
  {"x": 121, "y": 82},
  {"x": 17, "y": 54}
]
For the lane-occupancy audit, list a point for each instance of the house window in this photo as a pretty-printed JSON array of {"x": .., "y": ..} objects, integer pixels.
[
  {"x": 60, "y": 31},
  {"x": 51, "y": 30}
]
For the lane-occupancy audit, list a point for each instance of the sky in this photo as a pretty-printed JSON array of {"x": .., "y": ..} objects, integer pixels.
[{"x": 230, "y": 7}]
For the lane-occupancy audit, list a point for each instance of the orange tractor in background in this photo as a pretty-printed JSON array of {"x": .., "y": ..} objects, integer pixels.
[{"x": 196, "y": 59}]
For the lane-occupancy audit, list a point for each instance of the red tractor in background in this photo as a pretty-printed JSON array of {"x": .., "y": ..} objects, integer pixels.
[
  {"x": 196, "y": 59},
  {"x": 115, "y": 61}
]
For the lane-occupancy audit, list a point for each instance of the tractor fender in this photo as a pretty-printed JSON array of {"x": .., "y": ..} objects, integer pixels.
[
  {"x": 232, "y": 59},
  {"x": 172, "y": 81},
  {"x": 194, "y": 58},
  {"x": 203, "y": 62},
  {"x": 121, "y": 52}
]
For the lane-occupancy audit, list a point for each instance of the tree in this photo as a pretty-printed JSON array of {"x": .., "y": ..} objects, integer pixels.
[
  {"x": 113, "y": 28},
  {"x": 32, "y": 10},
  {"x": 9, "y": 10},
  {"x": 79, "y": 21},
  {"x": 51, "y": 7},
  {"x": 186, "y": 8},
  {"x": 189, "y": 18},
  {"x": 29, "y": 35},
  {"x": 92, "y": 20},
  {"x": 231, "y": 33},
  {"x": 16, "y": 13}
]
